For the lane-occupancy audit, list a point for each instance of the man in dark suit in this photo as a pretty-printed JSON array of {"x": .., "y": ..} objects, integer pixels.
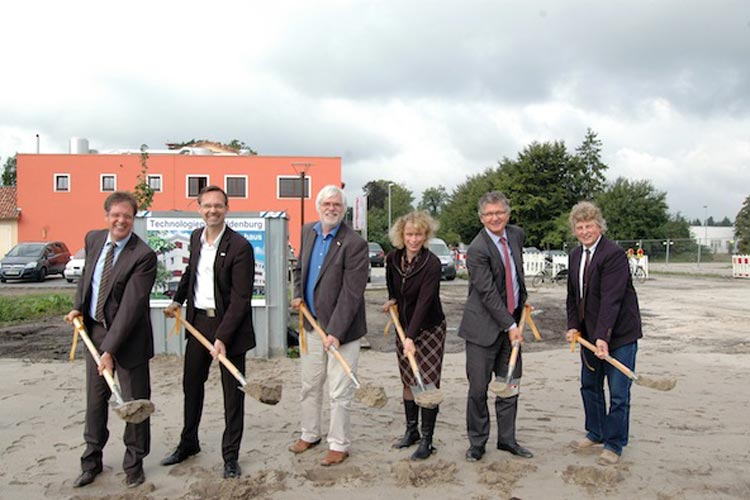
[
  {"x": 113, "y": 299},
  {"x": 603, "y": 306},
  {"x": 218, "y": 286},
  {"x": 497, "y": 294},
  {"x": 330, "y": 276}
]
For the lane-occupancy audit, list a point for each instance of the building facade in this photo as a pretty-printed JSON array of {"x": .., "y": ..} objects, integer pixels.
[{"x": 61, "y": 196}]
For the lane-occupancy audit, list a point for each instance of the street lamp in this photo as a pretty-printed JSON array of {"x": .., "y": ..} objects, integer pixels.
[
  {"x": 705, "y": 224},
  {"x": 389, "y": 205}
]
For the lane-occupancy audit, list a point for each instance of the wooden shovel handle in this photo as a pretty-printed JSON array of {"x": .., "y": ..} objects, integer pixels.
[
  {"x": 400, "y": 330},
  {"x": 222, "y": 359},
  {"x": 78, "y": 324},
  {"x": 591, "y": 347},
  {"x": 323, "y": 335}
]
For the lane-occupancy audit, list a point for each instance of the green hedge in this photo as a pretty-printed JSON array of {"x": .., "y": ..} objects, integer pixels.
[{"x": 28, "y": 307}]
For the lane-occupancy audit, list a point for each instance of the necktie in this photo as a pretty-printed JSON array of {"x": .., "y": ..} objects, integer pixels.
[
  {"x": 104, "y": 281},
  {"x": 511, "y": 298},
  {"x": 585, "y": 281}
]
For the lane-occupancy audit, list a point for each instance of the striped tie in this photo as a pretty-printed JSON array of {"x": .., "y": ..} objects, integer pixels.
[
  {"x": 509, "y": 292},
  {"x": 104, "y": 281}
]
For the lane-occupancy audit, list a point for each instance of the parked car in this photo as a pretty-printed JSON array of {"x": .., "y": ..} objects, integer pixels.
[
  {"x": 377, "y": 255},
  {"x": 74, "y": 267},
  {"x": 34, "y": 260},
  {"x": 447, "y": 264}
]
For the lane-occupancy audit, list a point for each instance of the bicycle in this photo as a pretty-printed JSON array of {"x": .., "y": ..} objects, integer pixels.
[{"x": 546, "y": 276}]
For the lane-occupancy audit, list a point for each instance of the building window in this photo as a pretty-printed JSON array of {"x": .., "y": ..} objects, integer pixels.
[
  {"x": 236, "y": 186},
  {"x": 108, "y": 182},
  {"x": 154, "y": 182},
  {"x": 195, "y": 183},
  {"x": 289, "y": 187},
  {"x": 62, "y": 183}
]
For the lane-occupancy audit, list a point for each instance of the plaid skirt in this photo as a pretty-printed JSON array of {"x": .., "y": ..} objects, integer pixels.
[{"x": 430, "y": 346}]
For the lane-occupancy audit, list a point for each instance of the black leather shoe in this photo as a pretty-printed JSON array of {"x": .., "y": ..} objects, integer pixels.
[
  {"x": 86, "y": 477},
  {"x": 178, "y": 455},
  {"x": 232, "y": 469},
  {"x": 135, "y": 479},
  {"x": 475, "y": 453},
  {"x": 515, "y": 449}
]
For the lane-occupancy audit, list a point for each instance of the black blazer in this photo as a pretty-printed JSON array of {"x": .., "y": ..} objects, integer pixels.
[
  {"x": 418, "y": 293},
  {"x": 126, "y": 309},
  {"x": 611, "y": 310},
  {"x": 486, "y": 315},
  {"x": 234, "y": 275},
  {"x": 340, "y": 289}
]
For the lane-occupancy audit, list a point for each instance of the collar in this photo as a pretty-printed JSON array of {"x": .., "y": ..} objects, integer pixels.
[
  {"x": 318, "y": 228},
  {"x": 495, "y": 238},
  {"x": 218, "y": 238},
  {"x": 592, "y": 248},
  {"x": 119, "y": 244}
]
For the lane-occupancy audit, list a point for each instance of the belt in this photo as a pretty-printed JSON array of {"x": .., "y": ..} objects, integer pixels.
[{"x": 211, "y": 313}]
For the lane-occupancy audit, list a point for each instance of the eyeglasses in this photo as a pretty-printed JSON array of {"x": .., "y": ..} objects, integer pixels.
[
  {"x": 214, "y": 206},
  {"x": 491, "y": 215}
]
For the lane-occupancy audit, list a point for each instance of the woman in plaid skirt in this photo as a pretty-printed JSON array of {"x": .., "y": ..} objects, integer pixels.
[{"x": 413, "y": 278}]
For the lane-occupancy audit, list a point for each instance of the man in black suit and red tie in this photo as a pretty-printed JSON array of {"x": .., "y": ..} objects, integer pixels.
[
  {"x": 218, "y": 286},
  {"x": 113, "y": 298},
  {"x": 603, "y": 307},
  {"x": 497, "y": 294}
]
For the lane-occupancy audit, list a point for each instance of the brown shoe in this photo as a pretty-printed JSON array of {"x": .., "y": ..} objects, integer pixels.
[
  {"x": 334, "y": 458},
  {"x": 301, "y": 446},
  {"x": 608, "y": 457},
  {"x": 583, "y": 444}
]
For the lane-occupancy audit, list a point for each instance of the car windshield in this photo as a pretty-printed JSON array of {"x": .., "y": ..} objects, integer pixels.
[
  {"x": 26, "y": 250},
  {"x": 439, "y": 248}
]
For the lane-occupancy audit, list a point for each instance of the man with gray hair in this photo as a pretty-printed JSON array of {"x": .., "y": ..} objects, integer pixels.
[
  {"x": 330, "y": 276},
  {"x": 497, "y": 294}
]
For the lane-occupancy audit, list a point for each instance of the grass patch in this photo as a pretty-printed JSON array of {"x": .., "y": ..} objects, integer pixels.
[{"x": 20, "y": 308}]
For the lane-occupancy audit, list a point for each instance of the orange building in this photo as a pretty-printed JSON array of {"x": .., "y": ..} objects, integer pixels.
[{"x": 61, "y": 196}]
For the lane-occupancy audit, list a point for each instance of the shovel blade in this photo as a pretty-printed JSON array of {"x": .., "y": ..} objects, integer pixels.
[
  {"x": 134, "y": 412},
  {"x": 428, "y": 396}
]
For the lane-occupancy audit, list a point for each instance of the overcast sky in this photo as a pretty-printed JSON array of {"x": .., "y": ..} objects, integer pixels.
[{"x": 421, "y": 93}]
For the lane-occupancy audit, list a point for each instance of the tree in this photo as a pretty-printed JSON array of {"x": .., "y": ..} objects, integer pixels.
[
  {"x": 143, "y": 191},
  {"x": 434, "y": 200},
  {"x": 377, "y": 211},
  {"x": 634, "y": 210},
  {"x": 710, "y": 221},
  {"x": 725, "y": 222},
  {"x": 9, "y": 171},
  {"x": 696, "y": 222},
  {"x": 742, "y": 227}
]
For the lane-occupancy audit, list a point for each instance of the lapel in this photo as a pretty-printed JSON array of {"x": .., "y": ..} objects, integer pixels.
[
  {"x": 516, "y": 249},
  {"x": 307, "y": 247},
  {"x": 495, "y": 257},
  {"x": 336, "y": 245},
  {"x": 575, "y": 268},
  {"x": 92, "y": 255},
  {"x": 221, "y": 252}
]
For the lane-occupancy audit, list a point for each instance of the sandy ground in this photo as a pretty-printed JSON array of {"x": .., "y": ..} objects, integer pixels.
[{"x": 691, "y": 442}]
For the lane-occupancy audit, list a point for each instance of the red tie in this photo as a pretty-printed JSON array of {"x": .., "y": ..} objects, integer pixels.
[{"x": 508, "y": 277}]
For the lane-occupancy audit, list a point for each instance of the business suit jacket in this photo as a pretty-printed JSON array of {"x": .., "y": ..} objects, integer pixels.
[
  {"x": 234, "y": 274},
  {"x": 610, "y": 306},
  {"x": 486, "y": 314},
  {"x": 340, "y": 289},
  {"x": 126, "y": 309}
]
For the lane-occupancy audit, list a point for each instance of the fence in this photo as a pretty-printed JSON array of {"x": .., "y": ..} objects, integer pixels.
[
  {"x": 677, "y": 250},
  {"x": 741, "y": 266}
]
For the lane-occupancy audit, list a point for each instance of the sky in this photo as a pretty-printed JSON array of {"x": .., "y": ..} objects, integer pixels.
[{"x": 422, "y": 93}]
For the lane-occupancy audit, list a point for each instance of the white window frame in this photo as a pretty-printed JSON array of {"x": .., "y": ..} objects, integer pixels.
[
  {"x": 161, "y": 182},
  {"x": 308, "y": 183},
  {"x": 226, "y": 186},
  {"x": 101, "y": 183},
  {"x": 187, "y": 184},
  {"x": 54, "y": 183}
]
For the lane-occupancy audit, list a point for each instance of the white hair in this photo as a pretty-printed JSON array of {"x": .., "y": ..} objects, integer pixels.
[{"x": 330, "y": 191}]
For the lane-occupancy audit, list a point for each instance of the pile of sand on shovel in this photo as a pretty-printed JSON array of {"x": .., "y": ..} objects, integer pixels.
[
  {"x": 660, "y": 384},
  {"x": 266, "y": 392},
  {"x": 134, "y": 412},
  {"x": 428, "y": 399},
  {"x": 371, "y": 395}
]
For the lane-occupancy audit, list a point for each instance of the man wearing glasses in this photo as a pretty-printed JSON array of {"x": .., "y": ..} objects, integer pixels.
[{"x": 497, "y": 294}]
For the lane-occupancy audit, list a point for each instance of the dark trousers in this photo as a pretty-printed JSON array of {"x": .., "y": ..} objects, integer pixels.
[
  {"x": 195, "y": 373},
  {"x": 134, "y": 384},
  {"x": 481, "y": 363}
]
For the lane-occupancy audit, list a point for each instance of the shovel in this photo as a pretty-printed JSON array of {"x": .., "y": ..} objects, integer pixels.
[
  {"x": 132, "y": 412},
  {"x": 503, "y": 388},
  {"x": 658, "y": 384},
  {"x": 266, "y": 394},
  {"x": 427, "y": 396},
  {"x": 370, "y": 395}
]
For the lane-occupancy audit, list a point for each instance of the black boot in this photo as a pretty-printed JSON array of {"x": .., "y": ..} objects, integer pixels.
[
  {"x": 429, "y": 415},
  {"x": 412, "y": 423}
]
